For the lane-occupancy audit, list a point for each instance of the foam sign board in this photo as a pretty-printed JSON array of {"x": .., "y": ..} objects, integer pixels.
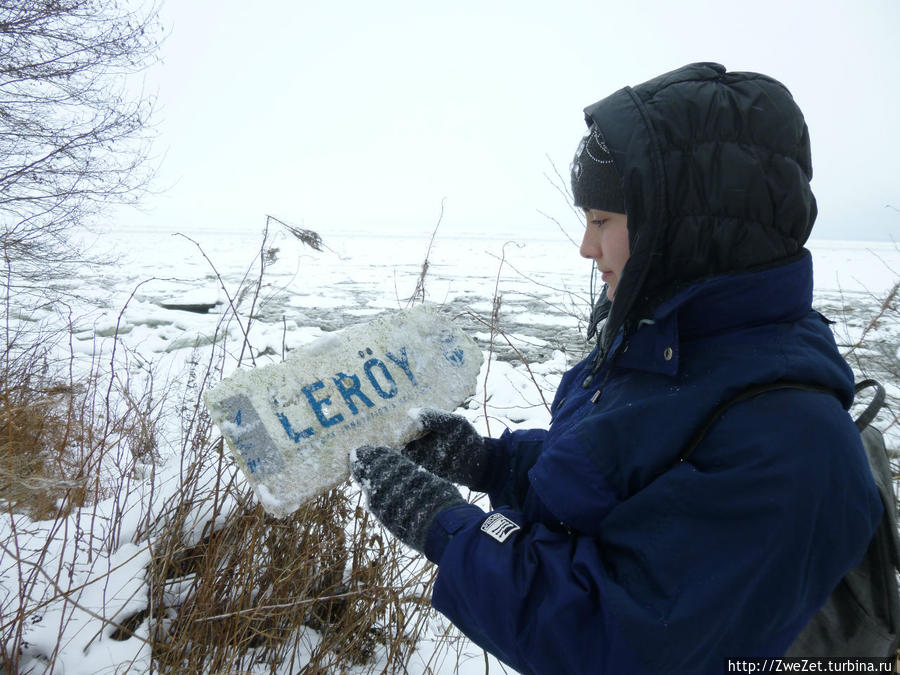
[{"x": 291, "y": 426}]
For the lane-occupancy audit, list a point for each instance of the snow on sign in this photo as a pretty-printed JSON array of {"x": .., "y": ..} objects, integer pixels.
[{"x": 291, "y": 426}]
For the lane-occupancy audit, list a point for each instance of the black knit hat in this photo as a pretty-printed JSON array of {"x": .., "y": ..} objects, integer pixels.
[{"x": 595, "y": 183}]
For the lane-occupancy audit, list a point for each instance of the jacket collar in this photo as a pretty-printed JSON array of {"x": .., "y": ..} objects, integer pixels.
[{"x": 715, "y": 306}]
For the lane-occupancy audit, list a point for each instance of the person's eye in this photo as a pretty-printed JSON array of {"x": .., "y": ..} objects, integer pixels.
[{"x": 599, "y": 221}]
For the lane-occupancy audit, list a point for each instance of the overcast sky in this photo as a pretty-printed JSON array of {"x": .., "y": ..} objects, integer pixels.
[{"x": 366, "y": 114}]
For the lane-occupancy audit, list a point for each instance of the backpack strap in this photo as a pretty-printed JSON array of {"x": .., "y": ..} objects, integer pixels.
[
  {"x": 865, "y": 418},
  {"x": 873, "y": 443},
  {"x": 750, "y": 392}
]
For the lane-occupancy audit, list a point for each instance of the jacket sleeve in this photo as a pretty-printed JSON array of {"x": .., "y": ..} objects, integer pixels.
[
  {"x": 534, "y": 601},
  {"x": 711, "y": 560},
  {"x": 515, "y": 452}
]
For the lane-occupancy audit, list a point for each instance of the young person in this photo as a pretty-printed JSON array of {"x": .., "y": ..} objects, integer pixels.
[{"x": 605, "y": 553}]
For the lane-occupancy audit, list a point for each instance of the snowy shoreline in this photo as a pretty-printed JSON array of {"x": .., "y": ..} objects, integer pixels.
[{"x": 536, "y": 289}]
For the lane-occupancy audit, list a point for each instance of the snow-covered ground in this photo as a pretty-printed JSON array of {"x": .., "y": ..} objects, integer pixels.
[{"x": 536, "y": 286}]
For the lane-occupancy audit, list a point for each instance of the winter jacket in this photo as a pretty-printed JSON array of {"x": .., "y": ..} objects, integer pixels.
[{"x": 625, "y": 560}]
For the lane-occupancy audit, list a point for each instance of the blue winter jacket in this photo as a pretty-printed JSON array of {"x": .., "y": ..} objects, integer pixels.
[
  {"x": 625, "y": 564},
  {"x": 626, "y": 561}
]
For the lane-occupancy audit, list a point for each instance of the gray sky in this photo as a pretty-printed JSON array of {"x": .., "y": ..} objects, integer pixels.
[{"x": 364, "y": 115}]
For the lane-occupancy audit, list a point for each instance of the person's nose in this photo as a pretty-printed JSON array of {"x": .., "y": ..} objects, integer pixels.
[{"x": 590, "y": 248}]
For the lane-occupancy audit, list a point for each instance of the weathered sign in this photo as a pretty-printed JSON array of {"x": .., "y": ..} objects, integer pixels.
[{"x": 292, "y": 425}]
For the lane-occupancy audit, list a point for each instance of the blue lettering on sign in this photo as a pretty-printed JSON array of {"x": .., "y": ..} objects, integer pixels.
[
  {"x": 318, "y": 404},
  {"x": 451, "y": 352},
  {"x": 455, "y": 357},
  {"x": 392, "y": 386},
  {"x": 348, "y": 392},
  {"x": 243, "y": 446},
  {"x": 403, "y": 362},
  {"x": 289, "y": 429},
  {"x": 351, "y": 390}
]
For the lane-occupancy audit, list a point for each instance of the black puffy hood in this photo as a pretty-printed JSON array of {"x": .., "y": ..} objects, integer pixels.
[{"x": 716, "y": 169}]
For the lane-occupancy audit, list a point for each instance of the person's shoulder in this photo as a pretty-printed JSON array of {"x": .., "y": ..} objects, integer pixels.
[{"x": 788, "y": 431}]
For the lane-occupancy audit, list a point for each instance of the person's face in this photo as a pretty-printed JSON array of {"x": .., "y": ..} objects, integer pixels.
[{"x": 606, "y": 243}]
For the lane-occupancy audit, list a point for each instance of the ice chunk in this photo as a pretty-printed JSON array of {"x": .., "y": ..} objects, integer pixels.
[{"x": 291, "y": 426}]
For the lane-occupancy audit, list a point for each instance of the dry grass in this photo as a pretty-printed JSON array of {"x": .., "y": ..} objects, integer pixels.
[
  {"x": 33, "y": 420},
  {"x": 243, "y": 593},
  {"x": 231, "y": 587},
  {"x": 228, "y": 587},
  {"x": 57, "y": 432}
]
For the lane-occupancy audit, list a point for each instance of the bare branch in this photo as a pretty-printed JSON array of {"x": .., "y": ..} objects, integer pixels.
[{"x": 74, "y": 137}]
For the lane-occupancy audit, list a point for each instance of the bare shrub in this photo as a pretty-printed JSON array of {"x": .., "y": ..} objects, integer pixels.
[
  {"x": 418, "y": 294},
  {"x": 873, "y": 353},
  {"x": 303, "y": 590},
  {"x": 70, "y": 450},
  {"x": 73, "y": 130}
]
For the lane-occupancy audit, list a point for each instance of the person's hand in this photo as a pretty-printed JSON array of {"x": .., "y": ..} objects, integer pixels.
[
  {"x": 404, "y": 497},
  {"x": 450, "y": 448}
]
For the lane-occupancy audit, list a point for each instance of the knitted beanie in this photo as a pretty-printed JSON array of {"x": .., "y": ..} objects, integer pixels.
[{"x": 595, "y": 183}]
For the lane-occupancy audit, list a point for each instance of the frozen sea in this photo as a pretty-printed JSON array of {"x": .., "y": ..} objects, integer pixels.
[{"x": 538, "y": 279}]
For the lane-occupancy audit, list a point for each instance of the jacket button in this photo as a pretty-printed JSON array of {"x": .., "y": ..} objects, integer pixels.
[{"x": 667, "y": 353}]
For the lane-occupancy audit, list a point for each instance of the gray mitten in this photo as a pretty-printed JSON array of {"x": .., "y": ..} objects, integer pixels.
[
  {"x": 451, "y": 448},
  {"x": 400, "y": 494}
]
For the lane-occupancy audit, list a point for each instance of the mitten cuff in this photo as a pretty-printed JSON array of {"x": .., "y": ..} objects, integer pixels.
[
  {"x": 514, "y": 454},
  {"x": 495, "y": 465}
]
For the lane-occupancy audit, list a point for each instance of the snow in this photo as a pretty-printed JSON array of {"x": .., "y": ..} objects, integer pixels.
[
  {"x": 306, "y": 296},
  {"x": 849, "y": 266}
]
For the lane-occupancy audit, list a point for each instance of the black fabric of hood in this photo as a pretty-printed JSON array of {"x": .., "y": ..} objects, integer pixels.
[{"x": 716, "y": 169}]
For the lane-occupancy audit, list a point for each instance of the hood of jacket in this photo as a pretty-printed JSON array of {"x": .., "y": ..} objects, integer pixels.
[{"x": 716, "y": 169}]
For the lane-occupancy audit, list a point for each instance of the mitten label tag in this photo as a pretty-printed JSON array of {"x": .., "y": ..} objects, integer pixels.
[{"x": 499, "y": 527}]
